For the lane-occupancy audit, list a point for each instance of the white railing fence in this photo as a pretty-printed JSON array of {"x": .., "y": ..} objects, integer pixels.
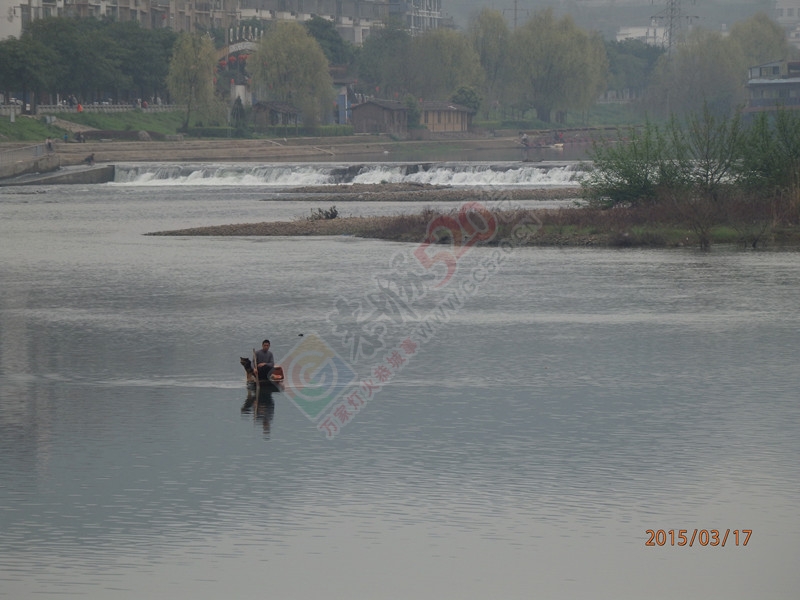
[{"x": 22, "y": 153}]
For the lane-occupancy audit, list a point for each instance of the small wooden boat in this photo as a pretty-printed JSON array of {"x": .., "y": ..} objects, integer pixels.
[{"x": 276, "y": 378}]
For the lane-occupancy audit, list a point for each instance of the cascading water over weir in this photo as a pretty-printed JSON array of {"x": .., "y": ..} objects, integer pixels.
[{"x": 282, "y": 175}]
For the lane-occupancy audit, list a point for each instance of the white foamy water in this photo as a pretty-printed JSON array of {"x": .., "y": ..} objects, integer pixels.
[
  {"x": 288, "y": 176},
  {"x": 282, "y": 176}
]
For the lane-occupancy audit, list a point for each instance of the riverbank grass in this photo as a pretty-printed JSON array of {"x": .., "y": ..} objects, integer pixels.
[
  {"x": 27, "y": 129},
  {"x": 166, "y": 122}
]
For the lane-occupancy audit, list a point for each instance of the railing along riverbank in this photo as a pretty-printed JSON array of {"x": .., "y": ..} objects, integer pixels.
[
  {"x": 42, "y": 109},
  {"x": 27, "y": 159},
  {"x": 7, "y": 110}
]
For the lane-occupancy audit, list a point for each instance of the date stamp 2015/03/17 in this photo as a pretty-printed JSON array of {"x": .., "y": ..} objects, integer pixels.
[{"x": 700, "y": 537}]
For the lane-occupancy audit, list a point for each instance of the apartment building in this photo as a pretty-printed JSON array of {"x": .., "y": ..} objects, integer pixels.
[
  {"x": 772, "y": 85},
  {"x": 354, "y": 19},
  {"x": 418, "y": 16},
  {"x": 787, "y": 15}
]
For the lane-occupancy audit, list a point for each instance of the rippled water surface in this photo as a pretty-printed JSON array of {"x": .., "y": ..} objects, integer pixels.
[{"x": 570, "y": 401}]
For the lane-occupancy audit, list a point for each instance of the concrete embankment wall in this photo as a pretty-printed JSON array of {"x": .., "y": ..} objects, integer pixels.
[
  {"x": 98, "y": 174},
  {"x": 27, "y": 159}
]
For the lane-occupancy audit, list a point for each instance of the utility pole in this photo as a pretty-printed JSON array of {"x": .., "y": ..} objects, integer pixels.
[
  {"x": 673, "y": 19},
  {"x": 516, "y": 11}
]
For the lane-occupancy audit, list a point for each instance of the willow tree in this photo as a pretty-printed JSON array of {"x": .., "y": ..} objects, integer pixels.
[
  {"x": 761, "y": 40},
  {"x": 707, "y": 70},
  {"x": 490, "y": 37},
  {"x": 555, "y": 65},
  {"x": 289, "y": 66},
  {"x": 630, "y": 65},
  {"x": 191, "y": 74},
  {"x": 444, "y": 61},
  {"x": 384, "y": 62}
]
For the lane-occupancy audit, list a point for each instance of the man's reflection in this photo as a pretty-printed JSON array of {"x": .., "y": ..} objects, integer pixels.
[{"x": 261, "y": 405}]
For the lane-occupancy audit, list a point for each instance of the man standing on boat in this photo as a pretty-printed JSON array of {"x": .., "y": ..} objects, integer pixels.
[{"x": 264, "y": 361}]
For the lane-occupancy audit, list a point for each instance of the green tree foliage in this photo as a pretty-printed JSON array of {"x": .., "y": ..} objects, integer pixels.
[
  {"x": 289, "y": 66},
  {"x": 761, "y": 40},
  {"x": 555, "y": 65},
  {"x": 709, "y": 69},
  {"x": 655, "y": 167},
  {"x": 552, "y": 65},
  {"x": 630, "y": 64},
  {"x": 24, "y": 66},
  {"x": 93, "y": 59},
  {"x": 8, "y": 75},
  {"x": 217, "y": 34},
  {"x": 191, "y": 74},
  {"x": 384, "y": 62},
  {"x": 706, "y": 70},
  {"x": 490, "y": 38},
  {"x": 631, "y": 173},
  {"x": 336, "y": 49},
  {"x": 443, "y": 62},
  {"x": 144, "y": 56},
  {"x": 695, "y": 158},
  {"x": 708, "y": 150},
  {"x": 771, "y": 153},
  {"x": 87, "y": 57},
  {"x": 709, "y": 169},
  {"x": 592, "y": 73},
  {"x": 238, "y": 115},
  {"x": 467, "y": 97},
  {"x": 708, "y": 147},
  {"x": 413, "y": 111},
  {"x": 769, "y": 173}
]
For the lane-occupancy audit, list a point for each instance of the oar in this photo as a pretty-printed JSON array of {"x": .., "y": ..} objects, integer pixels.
[{"x": 255, "y": 366}]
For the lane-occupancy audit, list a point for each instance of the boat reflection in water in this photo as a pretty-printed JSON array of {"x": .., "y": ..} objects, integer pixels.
[{"x": 260, "y": 404}]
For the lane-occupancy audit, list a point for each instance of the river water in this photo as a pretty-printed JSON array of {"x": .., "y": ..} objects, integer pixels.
[{"x": 512, "y": 432}]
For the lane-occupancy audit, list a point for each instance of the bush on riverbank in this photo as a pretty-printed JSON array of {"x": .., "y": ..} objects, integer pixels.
[
  {"x": 706, "y": 174},
  {"x": 683, "y": 223}
]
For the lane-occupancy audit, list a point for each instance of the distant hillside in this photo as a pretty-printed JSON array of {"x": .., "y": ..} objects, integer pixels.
[{"x": 607, "y": 16}]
